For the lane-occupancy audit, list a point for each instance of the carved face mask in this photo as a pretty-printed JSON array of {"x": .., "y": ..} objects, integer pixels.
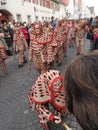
[
  {"x": 56, "y": 84},
  {"x": 37, "y": 29}
]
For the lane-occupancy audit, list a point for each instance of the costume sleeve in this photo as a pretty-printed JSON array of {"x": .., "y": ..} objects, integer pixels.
[{"x": 45, "y": 112}]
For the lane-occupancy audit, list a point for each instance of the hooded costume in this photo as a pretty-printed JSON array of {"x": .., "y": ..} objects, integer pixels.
[{"x": 48, "y": 89}]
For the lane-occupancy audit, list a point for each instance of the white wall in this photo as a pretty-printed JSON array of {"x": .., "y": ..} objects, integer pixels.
[
  {"x": 25, "y": 8},
  {"x": 62, "y": 11}
]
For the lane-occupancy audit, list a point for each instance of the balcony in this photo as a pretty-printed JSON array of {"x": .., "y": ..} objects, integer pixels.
[
  {"x": 64, "y": 2},
  {"x": 55, "y": 1}
]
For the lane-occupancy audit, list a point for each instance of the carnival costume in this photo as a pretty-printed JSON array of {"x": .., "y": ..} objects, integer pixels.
[
  {"x": 58, "y": 38},
  {"x": 20, "y": 44},
  {"x": 3, "y": 56},
  {"x": 48, "y": 90},
  {"x": 72, "y": 35},
  {"x": 80, "y": 37},
  {"x": 40, "y": 50},
  {"x": 65, "y": 33}
]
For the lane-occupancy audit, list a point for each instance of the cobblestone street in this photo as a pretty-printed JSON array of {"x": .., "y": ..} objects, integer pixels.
[{"x": 15, "y": 113}]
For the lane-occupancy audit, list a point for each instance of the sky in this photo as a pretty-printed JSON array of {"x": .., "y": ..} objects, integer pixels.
[{"x": 92, "y": 3}]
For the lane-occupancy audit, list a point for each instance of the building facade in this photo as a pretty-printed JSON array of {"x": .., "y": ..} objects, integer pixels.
[{"x": 28, "y": 10}]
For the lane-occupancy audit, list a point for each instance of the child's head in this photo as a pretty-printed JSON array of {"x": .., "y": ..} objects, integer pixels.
[{"x": 94, "y": 29}]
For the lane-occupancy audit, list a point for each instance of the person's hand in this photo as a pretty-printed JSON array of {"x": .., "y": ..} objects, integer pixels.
[{"x": 57, "y": 119}]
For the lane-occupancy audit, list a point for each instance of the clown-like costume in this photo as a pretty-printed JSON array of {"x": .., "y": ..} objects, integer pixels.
[
  {"x": 48, "y": 30},
  {"x": 65, "y": 33},
  {"x": 58, "y": 38},
  {"x": 80, "y": 37},
  {"x": 71, "y": 35},
  {"x": 48, "y": 90},
  {"x": 40, "y": 50},
  {"x": 20, "y": 44},
  {"x": 3, "y": 56}
]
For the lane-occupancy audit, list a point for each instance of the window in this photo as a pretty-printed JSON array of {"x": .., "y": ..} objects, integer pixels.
[
  {"x": 18, "y": 18},
  {"x": 52, "y": 5},
  {"x": 35, "y": 1},
  {"x": 3, "y": 2},
  {"x": 27, "y": 0},
  {"x": 42, "y": 19},
  {"x": 29, "y": 18},
  {"x": 48, "y": 4},
  {"x": 41, "y": 2},
  {"x": 36, "y": 18},
  {"x": 44, "y": 3}
]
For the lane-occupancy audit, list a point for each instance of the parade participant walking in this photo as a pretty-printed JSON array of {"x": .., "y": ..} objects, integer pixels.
[
  {"x": 48, "y": 90},
  {"x": 48, "y": 30},
  {"x": 3, "y": 56},
  {"x": 58, "y": 37},
  {"x": 20, "y": 44},
  {"x": 25, "y": 33},
  {"x": 40, "y": 50},
  {"x": 71, "y": 35},
  {"x": 65, "y": 33},
  {"x": 80, "y": 37}
]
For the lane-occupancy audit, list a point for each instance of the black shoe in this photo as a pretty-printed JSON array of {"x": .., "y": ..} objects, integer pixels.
[
  {"x": 59, "y": 64},
  {"x": 65, "y": 55},
  {"x": 78, "y": 54},
  {"x": 56, "y": 61},
  {"x": 25, "y": 61},
  {"x": 20, "y": 65},
  {"x": 9, "y": 53},
  {"x": 4, "y": 75}
]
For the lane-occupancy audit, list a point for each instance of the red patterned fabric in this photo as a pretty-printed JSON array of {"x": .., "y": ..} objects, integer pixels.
[
  {"x": 2, "y": 59},
  {"x": 48, "y": 89},
  {"x": 20, "y": 44},
  {"x": 40, "y": 50}
]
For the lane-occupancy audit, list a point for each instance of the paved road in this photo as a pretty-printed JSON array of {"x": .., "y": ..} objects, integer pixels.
[{"x": 15, "y": 113}]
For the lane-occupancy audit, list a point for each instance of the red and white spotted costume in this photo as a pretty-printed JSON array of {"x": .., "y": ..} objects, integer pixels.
[
  {"x": 71, "y": 35},
  {"x": 48, "y": 30},
  {"x": 58, "y": 38},
  {"x": 40, "y": 50},
  {"x": 48, "y": 90},
  {"x": 65, "y": 33},
  {"x": 3, "y": 56},
  {"x": 20, "y": 45},
  {"x": 80, "y": 37}
]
